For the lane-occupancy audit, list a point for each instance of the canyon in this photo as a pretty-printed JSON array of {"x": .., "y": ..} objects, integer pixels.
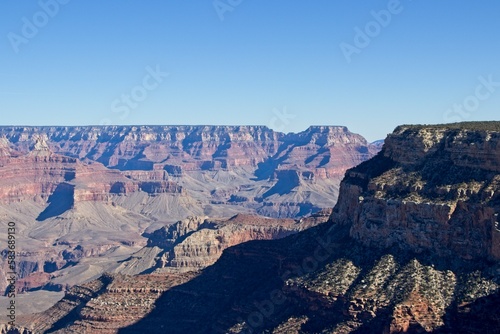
[
  {"x": 90, "y": 200},
  {"x": 410, "y": 247}
]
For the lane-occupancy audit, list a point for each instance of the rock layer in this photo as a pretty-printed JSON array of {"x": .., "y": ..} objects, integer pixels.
[
  {"x": 193, "y": 245},
  {"x": 327, "y": 150}
]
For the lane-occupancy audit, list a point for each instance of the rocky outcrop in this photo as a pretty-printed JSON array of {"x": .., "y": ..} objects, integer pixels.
[
  {"x": 41, "y": 174},
  {"x": 32, "y": 177},
  {"x": 198, "y": 242},
  {"x": 167, "y": 237},
  {"x": 40, "y": 146},
  {"x": 441, "y": 196},
  {"x": 467, "y": 147},
  {"x": 105, "y": 305},
  {"x": 5, "y": 150},
  {"x": 204, "y": 246},
  {"x": 68, "y": 309},
  {"x": 6, "y": 329},
  {"x": 331, "y": 148}
]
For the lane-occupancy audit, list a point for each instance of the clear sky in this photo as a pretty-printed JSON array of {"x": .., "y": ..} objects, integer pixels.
[{"x": 287, "y": 64}]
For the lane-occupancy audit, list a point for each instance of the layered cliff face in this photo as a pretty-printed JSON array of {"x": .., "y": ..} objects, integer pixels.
[
  {"x": 5, "y": 150},
  {"x": 248, "y": 167},
  {"x": 333, "y": 148},
  {"x": 41, "y": 173},
  {"x": 106, "y": 304},
  {"x": 195, "y": 243},
  {"x": 409, "y": 248},
  {"x": 441, "y": 196},
  {"x": 197, "y": 247},
  {"x": 323, "y": 149}
]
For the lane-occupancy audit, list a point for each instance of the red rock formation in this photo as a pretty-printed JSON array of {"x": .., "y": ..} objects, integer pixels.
[
  {"x": 327, "y": 150},
  {"x": 197, "y": 242},
  {"x": 38, "y": 174},
  {"x": 34, "y": 280},
  {"x": 107, "y": 304},
  {"x": 5, "y": 150}
]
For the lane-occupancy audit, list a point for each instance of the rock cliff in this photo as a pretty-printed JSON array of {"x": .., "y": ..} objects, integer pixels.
[
  {"x": 246, "y": 166},
  {"x": 196, "y": 243},
  {"x": 442, "y": 196},
  {"x": 329, "y": 148}
]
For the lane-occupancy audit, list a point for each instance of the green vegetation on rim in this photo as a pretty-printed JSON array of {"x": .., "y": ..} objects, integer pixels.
[{"x": 482, "y": 126}]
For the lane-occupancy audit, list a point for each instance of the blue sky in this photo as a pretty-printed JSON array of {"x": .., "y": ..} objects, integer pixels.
[{"x": 278, "y": 63}]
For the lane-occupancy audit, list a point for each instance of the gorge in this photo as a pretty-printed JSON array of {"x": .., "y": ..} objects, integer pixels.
[{"x": 411, "y": 246}]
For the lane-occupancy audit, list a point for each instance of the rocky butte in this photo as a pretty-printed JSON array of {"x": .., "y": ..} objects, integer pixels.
[{"x": 410, "y": 247}]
